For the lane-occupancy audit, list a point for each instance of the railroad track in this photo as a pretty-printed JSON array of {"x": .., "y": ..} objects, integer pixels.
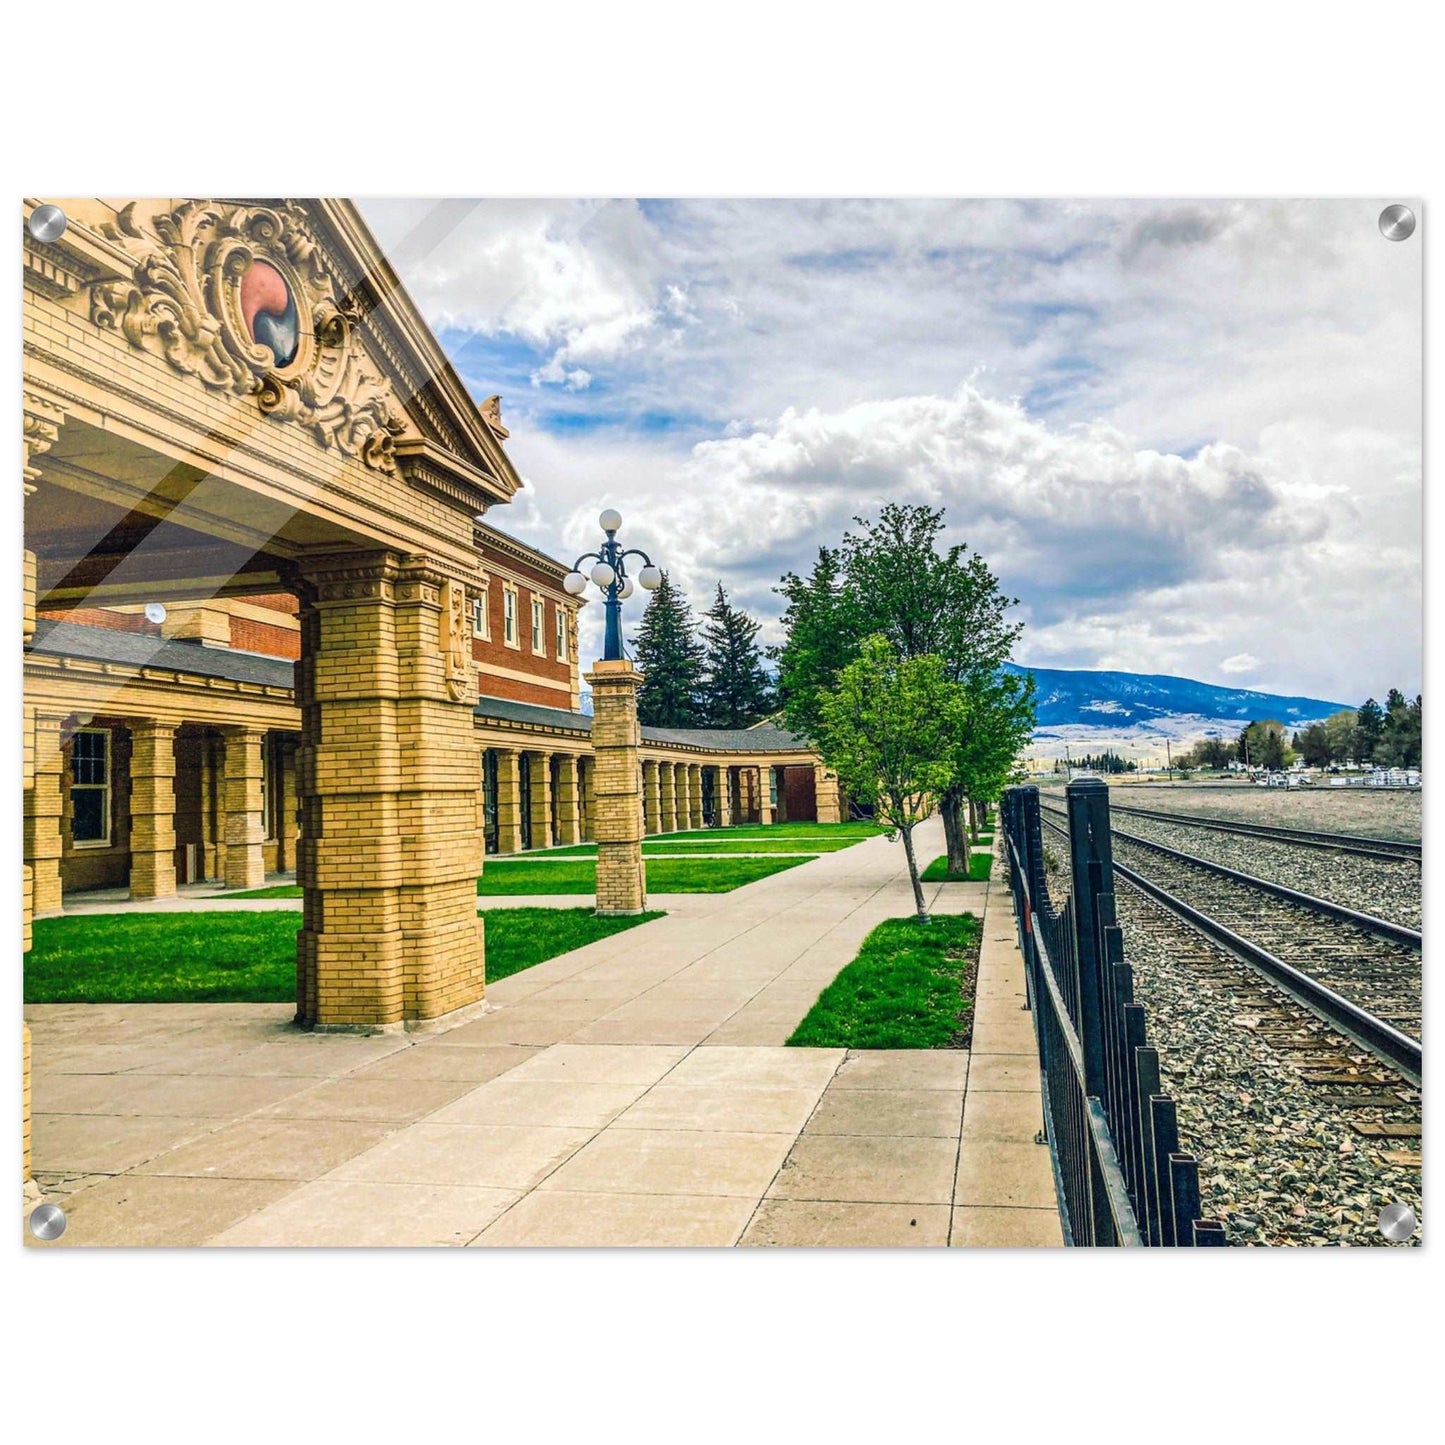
[
  {"x": 1389, "y": 849},
  {"x": 1360, "y": 975}
]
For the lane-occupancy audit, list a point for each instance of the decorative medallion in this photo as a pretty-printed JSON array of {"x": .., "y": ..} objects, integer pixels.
[
  {"x": 268, "y": 310},
  {"x": 239, "y": 297}
]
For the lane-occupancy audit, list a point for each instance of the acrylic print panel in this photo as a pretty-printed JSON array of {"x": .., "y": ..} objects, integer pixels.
[{"x": 704, "y": 723}]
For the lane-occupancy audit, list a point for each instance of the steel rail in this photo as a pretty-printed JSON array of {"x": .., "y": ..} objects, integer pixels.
[
  {"x": 1382, "y": 927},
  {"x": 1394, "y": 850},
  {"x": 1373, "y": 1034}
]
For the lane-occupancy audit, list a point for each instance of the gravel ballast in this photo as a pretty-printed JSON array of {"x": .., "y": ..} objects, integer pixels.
[{"x": 1279, "y": 1164}]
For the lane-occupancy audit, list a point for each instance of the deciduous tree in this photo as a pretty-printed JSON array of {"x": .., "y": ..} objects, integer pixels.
[{"x": 889, "y": 728}]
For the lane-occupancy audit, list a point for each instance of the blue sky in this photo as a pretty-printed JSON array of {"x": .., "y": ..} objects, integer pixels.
[{"x": 1185, "y": 434}]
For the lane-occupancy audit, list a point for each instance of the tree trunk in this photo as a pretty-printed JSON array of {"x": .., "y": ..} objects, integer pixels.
[
  {"x": 913, "y": 874},
  {"x": 955, "y": 830},
  {"x": 973, "y": 810}
]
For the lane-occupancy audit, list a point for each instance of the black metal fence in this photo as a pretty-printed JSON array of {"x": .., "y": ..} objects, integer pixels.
[{"x": 1122, "y": 1178}]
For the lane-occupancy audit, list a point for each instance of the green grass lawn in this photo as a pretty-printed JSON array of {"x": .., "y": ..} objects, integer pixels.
[
  {"x": 980, "y": 869},
  {"x": 516, "y": 874},
  {"x": 237, "y": 957},
  {"x": 856, "y": 830},
  {"x": 524, "y": 874},
  {"x": 725, "y": 844},
  {"x": 911, "y": 987}
]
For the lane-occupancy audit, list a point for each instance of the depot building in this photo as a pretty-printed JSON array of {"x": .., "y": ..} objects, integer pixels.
[{"x": 267, "y": 633}]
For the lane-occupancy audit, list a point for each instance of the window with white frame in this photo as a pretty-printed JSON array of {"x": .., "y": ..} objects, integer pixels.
[
  {"x": 90, "y": 788},
  {"x": 539, "y": 622},
  {"x": 509, "y": 616},
  {"x": 479, "y": 616},
  {"x": 561, "y": 634}
]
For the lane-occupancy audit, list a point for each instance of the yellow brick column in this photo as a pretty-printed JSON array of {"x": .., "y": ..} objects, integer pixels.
[
  {"x": 541, "y": 770},
  {"x": 286, "y": 823},
  {"x": 390, "y": 850},
  {"x": 509, "y": 800},
  {"x": 588, "y": 769},
  {"x": 694, "y": 794},
  {"x": 569, "y": 818},
  {"x": 723, "y": 793},
  {"x": 683, "y": 785},
  {"x": 651, "y": 797},
  {"x": 667, "y": 795},
  {"x": 44, "y": 811},
  {"x": 41, "y": 429},
  {"x": 152, "y": 809},
  {"x": 245, "y": 835},
  {"x": 825, "y": 785},
  {"x": 621, "y": 875},
  {"x": 765, "y": 795}
]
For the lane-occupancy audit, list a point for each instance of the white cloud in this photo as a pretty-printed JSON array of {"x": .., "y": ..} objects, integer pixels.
[
  {"x": 1240, "y": 662},
  {"x": 573, "y": 276},
  {"x": 1184, "y": 433}
]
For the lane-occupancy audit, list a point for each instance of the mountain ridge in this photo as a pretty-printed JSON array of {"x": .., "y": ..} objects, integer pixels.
[{"x": 1080, "y": 697}]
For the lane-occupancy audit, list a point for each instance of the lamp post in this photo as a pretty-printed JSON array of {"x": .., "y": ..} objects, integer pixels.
[{"x": 609, "y": 573}]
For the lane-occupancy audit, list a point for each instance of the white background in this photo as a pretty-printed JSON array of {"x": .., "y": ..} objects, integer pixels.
[{"x": 775, "y": 99}]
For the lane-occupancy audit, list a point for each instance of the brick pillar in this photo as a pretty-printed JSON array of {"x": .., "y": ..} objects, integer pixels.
[
  {"x": 723, "y": 792},
  {"x": 541, "y": 767},
  {"x": 390, "y": 851},
  {"x": 152, "y": 809},
  {"x": 569, "y": 799},
  {"x": 765, "y": 795},
  {"x": 286, "y": 823},
  {"x": 667, "y": 796},
  {"x": 42, "y": 421},
  {"x": 825, "y": 785},
  {"x": 44, "y": 810},
  {"x": 509, "y": 800},
  {"x": 683, "y": 786},
  {"x": 245, "y": 862},
  {"x": 587, "y": 767},
  {"x": 694, "y": 794},
  {"x": 651, "y": 797},
  {"x": 621, "y": 874}
]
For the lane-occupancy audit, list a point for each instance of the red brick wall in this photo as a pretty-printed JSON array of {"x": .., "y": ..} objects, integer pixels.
[
  {"x": 103, "y": 617},
  {"x": 276, "y": 602},
  {"x": 515, "y": 691},
  {"x": 521, "y": 658},
  {"x": 274, "y": 641}
]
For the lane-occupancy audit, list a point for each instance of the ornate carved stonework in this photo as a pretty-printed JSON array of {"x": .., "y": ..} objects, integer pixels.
[
  {"x": 456, "y": 642},
  {"x": 43, "y": 418},
  {"x": 491, "y": 410},
  {"x": 238, "y": 296}
]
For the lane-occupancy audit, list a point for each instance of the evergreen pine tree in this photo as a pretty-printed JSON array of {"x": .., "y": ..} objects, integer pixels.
[
  {"x": 736, "y": 691},
  {"x": 670, "y": 658}
]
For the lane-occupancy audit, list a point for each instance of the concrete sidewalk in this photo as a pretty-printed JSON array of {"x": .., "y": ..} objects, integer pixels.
[{"x": 632, "y": 1092}]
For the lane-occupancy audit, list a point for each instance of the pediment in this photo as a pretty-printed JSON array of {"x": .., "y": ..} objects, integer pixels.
[{"x": 292, "y": 303}]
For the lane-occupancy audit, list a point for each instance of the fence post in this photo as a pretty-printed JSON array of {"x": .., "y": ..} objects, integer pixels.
[
  {"x": 1093, "y": 864},
  {"x": 1164, "y": 1132},
  {"x": 1184, "y": 1184}
]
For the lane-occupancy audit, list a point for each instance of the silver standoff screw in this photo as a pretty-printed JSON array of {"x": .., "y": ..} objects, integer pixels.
[
  {"x": 47, "y": 223},
  {"x": 1397, "y": 223},
  {"x": 1397, "y": 1222},
  {"x": 47, "y": 1221}
]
